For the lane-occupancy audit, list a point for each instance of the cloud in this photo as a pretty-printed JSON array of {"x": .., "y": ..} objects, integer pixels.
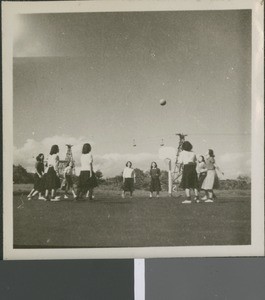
[
  {"x": 235, "y": 164},
  {"x": 110, "y": 164},
  {"x": 26, "y": 154}
]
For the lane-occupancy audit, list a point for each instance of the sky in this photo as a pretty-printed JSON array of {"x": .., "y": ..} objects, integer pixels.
[{"x": 98, "y": 78}]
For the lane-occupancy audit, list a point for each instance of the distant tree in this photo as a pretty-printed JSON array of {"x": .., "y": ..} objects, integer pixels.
[
  {"x": 20, "y": 175},
  {"x": 245, "y": 178},
  {"x": 140, "y": 178},
  {"x": 99, "y": 176},
  {"x": 164, "y": 179}
]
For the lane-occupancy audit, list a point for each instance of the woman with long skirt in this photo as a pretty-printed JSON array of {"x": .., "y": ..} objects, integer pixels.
[{"x": 52, "y": 180}]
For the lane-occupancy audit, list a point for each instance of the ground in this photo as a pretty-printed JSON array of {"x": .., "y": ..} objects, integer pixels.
[{"x": 110, "y": 221}]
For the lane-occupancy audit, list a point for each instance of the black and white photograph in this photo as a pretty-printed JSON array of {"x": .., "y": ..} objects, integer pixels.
[{"x": 133, "y": 132}]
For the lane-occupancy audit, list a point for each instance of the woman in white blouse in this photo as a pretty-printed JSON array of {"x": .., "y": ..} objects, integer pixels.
[
  {"x": 129, "y": 179},
  {"x": 87, "y": 180},
  {"x": 189, "y": 176},
  {"x": 51, "y": 176}
]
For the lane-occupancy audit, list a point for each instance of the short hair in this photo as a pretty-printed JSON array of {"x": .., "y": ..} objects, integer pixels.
[
  {"x": 211, "y": 153},
  {"x": 86, "y": 148},
  {"x": 187, "y": 146},
  {"x": 38, "y": 158},
  {"x": 128, "y": 163},
  {"x": 54, "y": 149},
  {"x": 153, "y": 162}
]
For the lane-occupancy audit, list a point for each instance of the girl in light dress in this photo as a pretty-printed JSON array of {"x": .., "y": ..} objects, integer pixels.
[
  {"x": 189, "y": 180},
  {"x": 129, "y": 179},
  {"x": 86, "y": 181},
  {"x": 68, "y": 180},
  {"x": 211, "y": 179},
  {"x": 201, "y": 170},
  {"x": 52, "y": 180},
  {"x": 38, "y": 178},
  {"x": 155, "y": 185}
]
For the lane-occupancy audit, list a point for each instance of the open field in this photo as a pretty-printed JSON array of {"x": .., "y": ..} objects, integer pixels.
[{"x": 110, "y": 221}]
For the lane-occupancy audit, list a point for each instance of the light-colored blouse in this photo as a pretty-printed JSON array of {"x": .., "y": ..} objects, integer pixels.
[
  {"x": 53, "y": 161},
  {"x": 186, "y": 157},
  {"x": 86, "y": 161},
  {"x": 201, "y": 167},
  {"x": 210, "y": 163},
  {"x": 128, "y": 173}
]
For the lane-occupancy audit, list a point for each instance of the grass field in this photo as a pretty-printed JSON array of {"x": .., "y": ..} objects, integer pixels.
[{"x": 110, "y": 221}]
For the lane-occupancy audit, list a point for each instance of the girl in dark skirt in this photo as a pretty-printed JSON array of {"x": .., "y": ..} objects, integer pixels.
[
  {"x": 86, "y": 181},
  {"x": 94, "y": 184},
  {"x": 38, "y": 178},
  {"x": 189, "y": 175},
  {"x": 52, "y": 180},
  {"x": 129, "y": 179},
  {"x": 155, "y": 185}
]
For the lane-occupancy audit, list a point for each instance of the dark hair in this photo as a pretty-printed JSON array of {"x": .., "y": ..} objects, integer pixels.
[
  {"x": 128, "y": 162},
  {"x": 211, "y": 153},
  {"x": 86, "y": 148},
  {"x": 38, "y": 158},
  {"x": 153, "y": 162},
  {"x": 187, "y": 146},
  {"x": 203, "y": 159},
  {"x": 54, "y": 149}
]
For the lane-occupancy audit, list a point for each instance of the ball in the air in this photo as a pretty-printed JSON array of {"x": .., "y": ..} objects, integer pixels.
[{"x": 162, "y": 102}]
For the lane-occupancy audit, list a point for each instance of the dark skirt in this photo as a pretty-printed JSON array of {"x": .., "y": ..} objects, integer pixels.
[
  {"x": 85, "y": 182},
  {"x": 128, "y": 185},
  {"x": 155, "y": 185},
  {"x": 38, "y": 183},
  {"x": 189, "y": 177},
  {"x": 51, "y": 180},
  {"x": 202, "y": 176}
]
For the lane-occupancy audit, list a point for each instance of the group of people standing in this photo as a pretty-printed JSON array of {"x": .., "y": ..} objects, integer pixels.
[
  {"x": 197, "y": 175},
  {"x": 129, "y": 179},
  {"x": 200, "y": 175},
  {"x": 47, "y": 180}
]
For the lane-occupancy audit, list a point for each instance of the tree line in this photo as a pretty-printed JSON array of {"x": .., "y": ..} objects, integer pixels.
[{"x": 21, "y": 175}]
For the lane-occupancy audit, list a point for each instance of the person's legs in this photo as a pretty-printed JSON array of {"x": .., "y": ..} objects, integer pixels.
[
  {"x": 205, "y": 197},
  {"x": 90, "y": 193},
  {"x": 30, "y": 194},
  {"x": 187, "y": 192},
  {"x": 196, "y": 198},
  {"x": 188, "y": 199},
  {"x": 157, "y": 194},
  {"x": 35, "y": 193},
  {"x": 210, "y": 196},
  {"x": 41, "y": 197},
  {"x": 73, "y": 192}
]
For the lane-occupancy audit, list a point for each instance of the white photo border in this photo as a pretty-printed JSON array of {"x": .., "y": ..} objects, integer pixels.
[{"x": 10, "y": 9}]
